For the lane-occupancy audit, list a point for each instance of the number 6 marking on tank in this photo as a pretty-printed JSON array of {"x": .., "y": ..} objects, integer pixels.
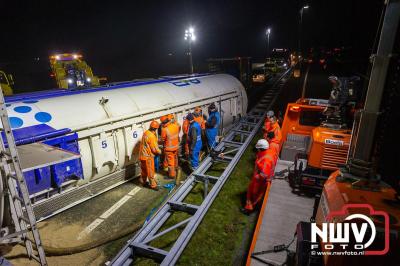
[
  {"x": 135, "y": 134},
  {"x": 104, "y": 144}
]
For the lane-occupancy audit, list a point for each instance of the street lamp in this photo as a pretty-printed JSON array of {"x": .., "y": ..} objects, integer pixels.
[
  {"x": 268, "y": 32},
  {"x": 190, "y": 37},
  {"x": 301, "y": 23}
]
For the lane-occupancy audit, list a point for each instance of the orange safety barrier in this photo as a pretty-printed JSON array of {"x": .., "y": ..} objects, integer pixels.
[{"x": 258, "y": 225}]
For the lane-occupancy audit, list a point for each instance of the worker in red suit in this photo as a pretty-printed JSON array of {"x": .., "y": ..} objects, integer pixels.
[{"x": 262, "y": 175}]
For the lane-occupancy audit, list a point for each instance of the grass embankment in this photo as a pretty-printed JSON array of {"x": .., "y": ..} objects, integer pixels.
[{"x": 224, "y": 235}]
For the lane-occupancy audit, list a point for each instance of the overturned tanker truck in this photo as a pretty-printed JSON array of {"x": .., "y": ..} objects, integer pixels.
[{"x": 104, "y": 126}]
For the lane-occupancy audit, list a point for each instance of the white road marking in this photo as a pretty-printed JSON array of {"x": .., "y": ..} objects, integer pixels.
[
  {"x": 107, "y": 213},
  {"x": 115, "y": 207}
]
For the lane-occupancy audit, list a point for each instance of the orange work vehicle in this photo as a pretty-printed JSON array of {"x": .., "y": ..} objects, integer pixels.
[
  {"x": 343, "y": 189},
  {"x": 317, "y": 146}
]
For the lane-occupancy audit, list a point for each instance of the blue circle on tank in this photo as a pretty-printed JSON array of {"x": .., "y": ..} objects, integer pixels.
[
  {"x": 43, "y": 117},
  {"x": 16, "y": 122},
  {"x": 22, "y": 109},
  {"x": 30, "y": 101}
]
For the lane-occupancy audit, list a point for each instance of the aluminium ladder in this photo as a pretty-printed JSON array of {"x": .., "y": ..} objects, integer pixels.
[
  {"x": 14, "y": 183},
  {"x": 234, "y": 145}
]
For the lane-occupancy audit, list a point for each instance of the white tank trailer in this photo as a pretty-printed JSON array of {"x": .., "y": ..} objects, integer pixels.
[{"x": 104, "y": 125}]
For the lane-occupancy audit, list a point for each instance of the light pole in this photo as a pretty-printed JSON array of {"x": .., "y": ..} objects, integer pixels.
[
  {"x": 190, "y": 37},
  {"x": 268, "y": 32},
  {"x": 300, "y": 25}
]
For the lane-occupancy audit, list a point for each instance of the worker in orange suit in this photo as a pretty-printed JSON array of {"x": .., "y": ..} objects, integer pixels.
[
  {"x": 185, "y": 141},
  {"x": 170, "y": 141},
  {"x": 199, "y": 118},
  {"x": 274, "y": 143},
  {"x": 274, "y": 127},
  {"x": 149, "y": 149},
  {"x": 267, "y": 122},
  {"x": 262, "y": 175},
  {"x": 172, "y": 119},
  {"x": 162, "y": 161}
]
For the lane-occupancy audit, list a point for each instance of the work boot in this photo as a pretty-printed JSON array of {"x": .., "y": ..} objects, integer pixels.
[
  {"x": 145, "y": 184},
  {"x": 245, "y": 211},
  {"x": 153, "y": 184},
  {"x": 152, "y": 187}
]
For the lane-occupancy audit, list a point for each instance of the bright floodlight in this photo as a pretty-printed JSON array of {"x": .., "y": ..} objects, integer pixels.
[
  {"x": 268, "y": 31},
  {"x": 306, "y": 7},
  {"x": 189, "y": 35}
]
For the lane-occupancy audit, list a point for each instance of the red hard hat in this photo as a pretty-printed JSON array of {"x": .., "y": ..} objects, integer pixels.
[
  {"x": 154, "y": 124},
  {"x": 164, "y": 118}
]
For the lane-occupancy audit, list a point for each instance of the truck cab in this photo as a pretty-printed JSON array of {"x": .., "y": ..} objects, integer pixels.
[{"x": 71, "y": 72}]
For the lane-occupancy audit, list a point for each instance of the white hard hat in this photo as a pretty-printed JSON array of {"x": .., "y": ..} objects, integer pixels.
[
  {"x": 270, "y": 113},
  {"x": 262, "y": 144}
]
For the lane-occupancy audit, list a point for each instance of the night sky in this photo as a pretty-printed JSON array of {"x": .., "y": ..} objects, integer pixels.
[{"x": 123, "y": 40}]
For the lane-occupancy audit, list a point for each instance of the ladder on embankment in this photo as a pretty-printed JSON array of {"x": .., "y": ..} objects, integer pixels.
[
  {"x": 14, "y": 187},
  {"x": 232, "y": 146}
]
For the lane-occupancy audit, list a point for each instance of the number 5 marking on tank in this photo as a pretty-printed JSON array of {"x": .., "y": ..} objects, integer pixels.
[{"x": 104, "y": 144}]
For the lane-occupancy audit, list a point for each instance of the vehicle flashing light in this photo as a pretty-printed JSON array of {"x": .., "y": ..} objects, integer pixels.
[
  {"x": 70, "y": 81},
  {"x": 294, "y": 108}
]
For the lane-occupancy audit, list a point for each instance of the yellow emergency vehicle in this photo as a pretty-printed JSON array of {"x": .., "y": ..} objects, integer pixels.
[{"x": 71, "y": 72}]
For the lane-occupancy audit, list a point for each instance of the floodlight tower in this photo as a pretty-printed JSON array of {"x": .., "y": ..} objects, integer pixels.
[{"x": 190, "y": 37}]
